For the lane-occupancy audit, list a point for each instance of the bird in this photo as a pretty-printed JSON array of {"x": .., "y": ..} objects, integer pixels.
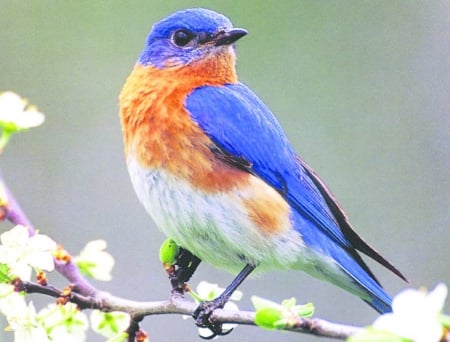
[{"x": 217, "y": 174}]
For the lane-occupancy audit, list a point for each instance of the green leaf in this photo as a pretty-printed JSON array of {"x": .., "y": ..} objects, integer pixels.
[{"x": 305, "y": 310}]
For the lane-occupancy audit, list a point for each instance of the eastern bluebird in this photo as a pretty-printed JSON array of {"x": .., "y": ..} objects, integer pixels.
[{"x": 215, "y": 171}]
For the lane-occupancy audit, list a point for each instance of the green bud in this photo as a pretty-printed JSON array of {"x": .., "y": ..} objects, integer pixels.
[
  {"x": 168, "y": 251},
  {"x": 268, "y": 318}
]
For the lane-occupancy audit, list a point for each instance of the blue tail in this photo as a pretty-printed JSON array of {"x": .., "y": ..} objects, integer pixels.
[
  {"x": 381, "y": 307},
  {"x": 342, "y": 266}
]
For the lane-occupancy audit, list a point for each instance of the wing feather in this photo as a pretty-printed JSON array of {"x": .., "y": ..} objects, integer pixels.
[{"x": 247, "y": 135}]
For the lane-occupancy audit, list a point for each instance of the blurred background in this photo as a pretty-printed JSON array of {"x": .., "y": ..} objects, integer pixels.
[{"x": 361, "y": 88}]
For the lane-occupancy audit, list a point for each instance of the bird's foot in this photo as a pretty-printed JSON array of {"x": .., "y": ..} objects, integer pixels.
[{"x": 202, "y": 317}]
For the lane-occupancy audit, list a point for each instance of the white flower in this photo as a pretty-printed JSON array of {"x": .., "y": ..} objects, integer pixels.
[
  {"x": 415, "y": 315},
  {"x": 15, "y": 115},
  {"x": 21, "y": 316},
  {"x": 11, "y": 302},
  {"x": 209, "y": 291},
  {"x": 22, "y": 253},
  {"x": 64, "y": 322},
  {"x": 94, "y": 261},
  {"x": 109, "y": 324}
]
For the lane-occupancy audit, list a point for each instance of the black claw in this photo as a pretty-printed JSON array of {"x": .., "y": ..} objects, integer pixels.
[{"x": 202, "y": 316}]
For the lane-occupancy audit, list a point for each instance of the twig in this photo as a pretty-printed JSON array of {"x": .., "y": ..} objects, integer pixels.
[
  {"x": 12, "y": 210},
  {"x": 180, "y": 306}
]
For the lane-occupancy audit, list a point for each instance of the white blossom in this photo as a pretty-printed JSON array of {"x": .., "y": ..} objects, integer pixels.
[
  {"x": 109, "y": 324},
  {"x": 64, "y": 322},
  {"x": 209, "y": 291},
  {"x": 95, "y": 261},
  {"x": 15, "y": 113},
  {"x": 22, "y": 253},
  {"x": 415, "y": 315},
  {"x": 21, "y": 316}
]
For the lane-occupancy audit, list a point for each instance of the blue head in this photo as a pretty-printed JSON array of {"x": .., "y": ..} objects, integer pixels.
[{"x": 186, "y": 36}]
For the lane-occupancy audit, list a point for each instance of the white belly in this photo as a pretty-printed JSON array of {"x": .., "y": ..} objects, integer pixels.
[{"x": 215, "y": 227}]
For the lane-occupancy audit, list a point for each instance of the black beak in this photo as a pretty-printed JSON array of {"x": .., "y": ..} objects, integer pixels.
[{"x": 227, "y": 37}]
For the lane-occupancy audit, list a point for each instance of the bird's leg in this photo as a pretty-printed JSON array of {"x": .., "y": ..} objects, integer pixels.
[
  {"x": 203, "y": 312},
  {"x": 184, "y": 267}
]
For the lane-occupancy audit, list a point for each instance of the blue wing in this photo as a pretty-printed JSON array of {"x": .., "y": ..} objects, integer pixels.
[
  {"x": 239, "y": 123},
  {"x": 242, "y": 126}
]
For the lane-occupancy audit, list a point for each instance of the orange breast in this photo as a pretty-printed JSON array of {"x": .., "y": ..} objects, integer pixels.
[{"x": 159, "y": 132}]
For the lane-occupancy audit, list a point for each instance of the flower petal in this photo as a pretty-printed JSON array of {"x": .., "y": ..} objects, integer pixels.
[
  {"x": 42, "y": 242},
  {"x": 436, "y": 298},
  {"x": 17, "y": 236},
  {"x": 10, "y": 105},
  {"x": 29, "y": 119}
]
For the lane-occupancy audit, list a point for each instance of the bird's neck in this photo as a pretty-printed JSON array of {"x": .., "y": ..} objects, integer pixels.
[{"x": 215, "y": 69}]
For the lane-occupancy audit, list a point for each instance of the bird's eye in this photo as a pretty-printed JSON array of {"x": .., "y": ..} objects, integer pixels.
[{"x": 182, "y": 37}]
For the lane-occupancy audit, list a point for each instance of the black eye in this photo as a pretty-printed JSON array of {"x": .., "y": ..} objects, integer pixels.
[{"x": 182, "y": 37}]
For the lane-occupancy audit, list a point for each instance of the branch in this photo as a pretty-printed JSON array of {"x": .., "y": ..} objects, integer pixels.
[
  {"x": 11, "y": 209},
  {"x": 177, "y": 304}
]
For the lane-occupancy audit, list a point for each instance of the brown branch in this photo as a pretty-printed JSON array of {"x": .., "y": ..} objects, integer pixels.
[{"x": 178, "y": 305}]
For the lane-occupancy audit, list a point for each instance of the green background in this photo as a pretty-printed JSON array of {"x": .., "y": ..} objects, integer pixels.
[{"x": 361, "y": 87}]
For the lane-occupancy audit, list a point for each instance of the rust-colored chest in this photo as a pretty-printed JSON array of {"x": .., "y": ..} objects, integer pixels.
[{"x": 160, "y": 134}]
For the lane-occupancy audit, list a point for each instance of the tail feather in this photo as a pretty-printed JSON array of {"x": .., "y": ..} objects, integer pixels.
[
  {"x": 373, "y": 292},
  {"x": 380, "y": 306},
  {"x": 342, "y": 220},
  {"x": 341, "y": 266}
]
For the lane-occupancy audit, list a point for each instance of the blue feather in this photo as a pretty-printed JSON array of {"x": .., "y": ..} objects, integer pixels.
[
  {"x": 243, "y": 126},
  {"x": 240, "y": 124}
]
